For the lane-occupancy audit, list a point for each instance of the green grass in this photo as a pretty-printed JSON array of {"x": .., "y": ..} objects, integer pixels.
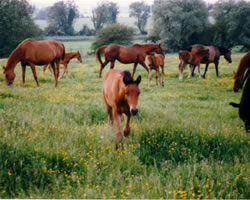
[{"x": 186, "y": 141}]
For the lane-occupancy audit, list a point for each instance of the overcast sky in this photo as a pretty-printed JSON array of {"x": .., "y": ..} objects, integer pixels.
[{"x": 85, "y": 6}]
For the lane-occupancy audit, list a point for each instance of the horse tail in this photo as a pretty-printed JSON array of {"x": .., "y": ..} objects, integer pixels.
[
  {"x": 236, "y": 105},
  {"x": 98, "y": 53}
]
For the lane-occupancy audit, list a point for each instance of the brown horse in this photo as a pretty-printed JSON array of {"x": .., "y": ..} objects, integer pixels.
[
  {"x": 121, "y": 95},
  {"x": 68, "y": 56},
  {"x": 242, "y": 72},
  {"x": 31, "y": 52},
  {"x": 155, "y": 62},
  {"x": 191, "y": 58},
  {"x": 214, "y": 56},
  {"x": 126, "y": 54}
]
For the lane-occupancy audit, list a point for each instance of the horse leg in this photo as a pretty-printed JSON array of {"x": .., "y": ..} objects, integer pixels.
[
  {"x": 199, "y": 71},
  {"x": 162, "y": 69},
  {"x": 23, "y": 71},
  {"x": 127, "y": 128},
  {"x": 181, "y": 68},
  {"x": 192, "y": 74},
  {"x": 112, "y": 64},
  {"x": 54, "y": 71},
  {"x": 216, "y": 68},
  {"x": 33, "y": 68},
  {"x": 45, "y": 67},
  {"x": 117, "y": 118},
  {"x": 65, "y": 71},
  {"x": 190, "y": 70},
  {"x": 148, "y": 70},
  {"x": 204, "y": 75},
  {"x": 102, "y": 67},
  {"x": 161, "y": 81},
  {"x": 134, "y": 68},
  {"x": 156, "y": 76}
]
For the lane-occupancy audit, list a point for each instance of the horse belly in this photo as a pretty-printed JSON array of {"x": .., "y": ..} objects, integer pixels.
[{"x": 127, "y": 57}]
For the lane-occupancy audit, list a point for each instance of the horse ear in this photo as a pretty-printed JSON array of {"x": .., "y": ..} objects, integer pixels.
[
  {"x": 127, "y": 78},
  {"x": 138, "y": 80}
]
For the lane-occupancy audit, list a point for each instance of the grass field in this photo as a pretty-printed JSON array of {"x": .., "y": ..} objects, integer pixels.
[{"x": 186, "y": 141}]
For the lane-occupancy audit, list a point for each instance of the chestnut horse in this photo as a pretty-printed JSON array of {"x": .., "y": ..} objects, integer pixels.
[
  {"x": 214, "y": 56},
  {"x": 121, "y": 95},
  {"x": 68, "y": 56},
  {"x": 155, "y": 62},
  {"x": 31, "y": 52},
  {"x": 126, "y": 54},
  {"x": 242, "y": 72},
  {"x": 191, "y": 58}
]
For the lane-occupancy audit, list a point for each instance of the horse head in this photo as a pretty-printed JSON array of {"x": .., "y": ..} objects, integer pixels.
[
  {"x": 9, "y": 76},
  {"x": 159, "y": 50},
  {"x": 132, "y": 91},
  {"x": 238, "y": 83},
  {"x": 79, "y": 57},
  {"x": 226, "y": 52}
]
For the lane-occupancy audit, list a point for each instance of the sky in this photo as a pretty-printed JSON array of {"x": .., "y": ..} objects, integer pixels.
[{"x": 86, "y": 6}]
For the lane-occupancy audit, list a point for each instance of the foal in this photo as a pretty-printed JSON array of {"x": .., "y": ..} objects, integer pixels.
[
  {"x": 191, "y": 58},
  {"x": 155, "y": 62},
  {"x": 121, "y": 95}
]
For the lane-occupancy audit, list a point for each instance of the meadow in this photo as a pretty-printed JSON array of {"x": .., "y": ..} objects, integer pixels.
[{"x": 186, "y": 141}]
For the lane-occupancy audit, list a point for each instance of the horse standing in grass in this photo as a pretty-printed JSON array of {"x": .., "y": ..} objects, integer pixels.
[
  {"x": 214, "y": 56},
  {"x": 244, "y": 106},
  {"x": 242, "y": 72},
  {"x": 121, "y": 95},
  {"x": 126, "y": 54},
  {"x": 155, "y": 62},
  {"x": 68, "y": 56},
  {"x": 31, "y": 52},
  {"x": 191, "y": 58}
]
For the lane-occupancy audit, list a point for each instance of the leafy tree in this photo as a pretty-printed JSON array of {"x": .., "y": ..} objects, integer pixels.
[
  {"x": 61, "y": 18},
  {"x": 42, "y": 14},
  {"x": 179, "y": 22},
  {"x": 104, "y": 13},
  {"x": 232, "y": 23},
  {"x": 113, "y": 33},
  {"x": 16, "y": 24},
  {"x": 141, "y": 12}
]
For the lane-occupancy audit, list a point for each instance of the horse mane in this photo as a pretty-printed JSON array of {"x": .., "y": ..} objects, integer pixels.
[
  {"x": 127, "y": 78},
  {"x": 14, "y": 58},
  {"x": 223, "y": 50}
]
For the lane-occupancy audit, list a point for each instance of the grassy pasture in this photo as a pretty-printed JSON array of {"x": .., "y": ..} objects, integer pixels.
[{"x": 186, "y": 142}]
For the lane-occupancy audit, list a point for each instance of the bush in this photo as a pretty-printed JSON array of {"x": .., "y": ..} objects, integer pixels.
[{"x": 113, "y": 33}]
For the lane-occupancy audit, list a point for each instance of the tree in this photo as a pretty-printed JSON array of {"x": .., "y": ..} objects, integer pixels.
[
  {"x": 104, "y": 13},
  {"x": 179, "y": 22},
  {"x": 16, "y": 24},
  {"x": 42, "y": 14},
  {"x": 232, "y": 23},
  {"x": 61, "y": 18},
  {"x": 141, "y": 12},
  {"x": 113, "y": 33}
]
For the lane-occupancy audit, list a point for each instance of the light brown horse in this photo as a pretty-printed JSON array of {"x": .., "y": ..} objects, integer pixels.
[
  {"x": 155, "y": 62},
  {"x": 242, "y": 72},
  {"x": 121, "y": 95},
  {"x": 214, "y": 56},
  {"x": 31, "y": 52},
  {"x": 194, "y": 59},
  {"x": 126, "y": 54},
  {"x": 68, "y": 56}
]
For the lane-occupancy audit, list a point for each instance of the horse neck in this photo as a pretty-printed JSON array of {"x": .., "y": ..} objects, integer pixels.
[
  {"x": 149, "y": 47},
  {"x": 13, "y": 59},
  {"x": 239, "y": 74}
]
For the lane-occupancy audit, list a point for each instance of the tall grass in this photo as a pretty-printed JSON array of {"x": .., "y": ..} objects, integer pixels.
[{"x": 186, "y": 141}]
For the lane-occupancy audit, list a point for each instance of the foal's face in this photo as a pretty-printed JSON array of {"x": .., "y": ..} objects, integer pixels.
[
  {"x": 79, "y": 57},
  {"x": 9, "y": 76},
  {"x": 132, "y": 93}
]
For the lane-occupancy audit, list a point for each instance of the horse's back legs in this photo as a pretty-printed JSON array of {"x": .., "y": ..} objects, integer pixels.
[
  {"x": 204, "y": 75},
  {"x": 134, "y": 68},
  {"x": 23, "y": 72},
  {"x": 55, "y": 73},
  {"x": 33, "y": 68},
  {"x": 102, "y": 67},
  {"x": 216, "y": 68}
]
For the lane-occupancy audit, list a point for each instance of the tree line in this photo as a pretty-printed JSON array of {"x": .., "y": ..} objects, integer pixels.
[{"x": 176, "y": 23}]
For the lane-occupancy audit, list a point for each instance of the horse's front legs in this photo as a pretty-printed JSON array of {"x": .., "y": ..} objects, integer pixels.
[
  {"x": 191, "y": 67},
  {"x": 23, "y": 71},
  {"x": 127, "y": 128},
  {"x": 216, "y": 68},
  {"x": 55, "y": 73},
  {"x": 65, "y": 71},
  {"x": 117, "y": 118},
  {"x": 181, "y": 68}
]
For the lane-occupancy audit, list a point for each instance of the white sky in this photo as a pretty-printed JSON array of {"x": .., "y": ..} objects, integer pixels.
[{"x": 86, "y": 6}]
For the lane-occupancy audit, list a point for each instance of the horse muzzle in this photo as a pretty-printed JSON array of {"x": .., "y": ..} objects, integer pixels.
[{"x": 134, "y": 111}]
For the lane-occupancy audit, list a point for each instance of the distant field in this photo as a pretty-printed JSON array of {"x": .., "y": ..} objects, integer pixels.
[
  {"x": 81, "y": 21},
  {"x": 185, "y": 143}
]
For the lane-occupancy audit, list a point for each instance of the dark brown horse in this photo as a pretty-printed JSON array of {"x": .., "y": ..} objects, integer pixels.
[
  {"x": 68, "y": 56},
  {"x": 242, "y": 72},
  {"x": 126, "y": 54},
  {"x": 31, "y": 52},
  {"x": 121, "y": 94},
  {"x": 214, "y": 56}
]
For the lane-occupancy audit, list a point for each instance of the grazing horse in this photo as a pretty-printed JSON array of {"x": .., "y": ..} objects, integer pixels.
[
  {"x": 191, "y": 58},
  {"x": 242, "y": 72},
  {"x": 244, "y": 106},
  {"x": 214, "y": 56},
  {"x": 68, "y": 56},
  {"x": 31, "y": 52},
  {"x": 126, "y": 54},
  {"x": 121, "y": 95},
  {"x": 155, "y": 62}
]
